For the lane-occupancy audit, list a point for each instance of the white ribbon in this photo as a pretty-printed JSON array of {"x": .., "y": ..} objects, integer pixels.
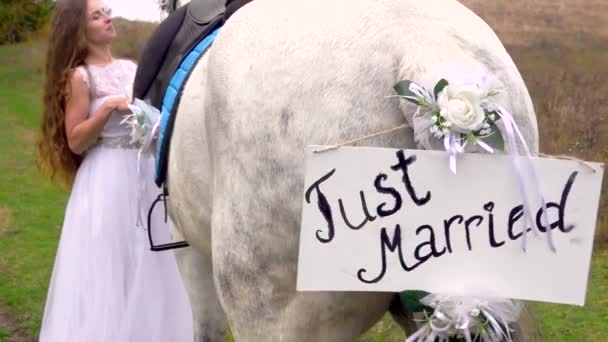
[
  {"x": 453, "y": 146},
  {"x": 418, "y": 334},
  {"x": 145, "y": 124},
  {"x": 144, "y": 149},
  {"x": 453, "y": 316},
  {"x": 485, "y": 146},
  {"x": 520, "y": 170}
]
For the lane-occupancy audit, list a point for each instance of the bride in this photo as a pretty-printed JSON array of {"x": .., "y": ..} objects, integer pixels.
[{"x": 106, "y": 284}]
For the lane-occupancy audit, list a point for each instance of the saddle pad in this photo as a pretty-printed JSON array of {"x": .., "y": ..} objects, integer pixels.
[{"x": 171, "y": 99}]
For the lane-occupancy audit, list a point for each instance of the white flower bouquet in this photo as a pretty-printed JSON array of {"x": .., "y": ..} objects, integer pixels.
[
  {"x": 459, "y": 114},
  {"x": 143, "y": 121}
]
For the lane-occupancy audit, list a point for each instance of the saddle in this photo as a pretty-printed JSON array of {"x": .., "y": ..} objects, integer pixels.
[
  {"x": 170, "y": 55},
  {"x": 165, "y": 64}
]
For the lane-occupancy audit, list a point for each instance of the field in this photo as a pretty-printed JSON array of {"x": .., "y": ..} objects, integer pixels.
[{"x": 567, "y": 81}]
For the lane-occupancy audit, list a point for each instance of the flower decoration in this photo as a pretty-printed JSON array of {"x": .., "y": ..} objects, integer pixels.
[
  {"x": 143, "y": 122},
  {"x": 459, "y": 114},
  {"x": 453, "y": 318}
]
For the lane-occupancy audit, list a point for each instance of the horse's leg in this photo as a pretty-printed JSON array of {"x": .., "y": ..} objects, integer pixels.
[
  {"x": 190, "y": 208},
  {"x": 262, "y": 307},
  {"x": 255, "y": 250},
  {"x": 209, "y": 319},
  {"x": 527, "y": 329},
  {"x": 196, "y": 269}
]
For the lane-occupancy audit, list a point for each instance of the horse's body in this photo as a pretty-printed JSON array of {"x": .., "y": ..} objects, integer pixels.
[{"x": 280, "y": 76}]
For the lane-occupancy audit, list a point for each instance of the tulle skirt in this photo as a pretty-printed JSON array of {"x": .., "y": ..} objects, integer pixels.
[{"x": 106, "y": 284}]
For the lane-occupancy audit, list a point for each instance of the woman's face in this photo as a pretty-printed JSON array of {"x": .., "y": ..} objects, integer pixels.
[{"x": 100, "y": 30}]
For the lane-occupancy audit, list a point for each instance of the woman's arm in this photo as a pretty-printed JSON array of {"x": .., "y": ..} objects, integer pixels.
[{"x": 82, "y": 132}]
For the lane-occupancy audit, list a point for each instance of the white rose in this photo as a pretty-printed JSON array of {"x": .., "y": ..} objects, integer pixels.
[{"x": 460, "y": 105}]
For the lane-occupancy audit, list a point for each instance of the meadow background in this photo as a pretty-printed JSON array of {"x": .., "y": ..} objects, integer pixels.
[{"x": 560, "y": 48}]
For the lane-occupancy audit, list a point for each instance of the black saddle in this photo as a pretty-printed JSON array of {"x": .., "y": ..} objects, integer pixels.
[
  {"x": 169, "y": 44},
  {"x": 173, "y": 39}
]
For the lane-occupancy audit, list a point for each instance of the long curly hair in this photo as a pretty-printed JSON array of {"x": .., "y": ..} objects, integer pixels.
[{"x": 67, "y": 49}]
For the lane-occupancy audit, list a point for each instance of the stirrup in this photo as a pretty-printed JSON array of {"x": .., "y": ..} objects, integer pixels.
[{"x": 162, "y": 197}]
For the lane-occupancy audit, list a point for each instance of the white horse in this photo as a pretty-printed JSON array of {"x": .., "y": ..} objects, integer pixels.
[{"x": 280, "y": 76}]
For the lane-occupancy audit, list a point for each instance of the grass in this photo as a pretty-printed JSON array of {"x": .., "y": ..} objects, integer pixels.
[
  {"x": 32, "y": 208},
  {"x": 568, "y": 88},
  {"x": 572, "y": 323}
]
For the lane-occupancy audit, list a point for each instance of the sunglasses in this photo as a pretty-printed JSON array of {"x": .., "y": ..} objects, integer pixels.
[{"x": 107, "y": 10}]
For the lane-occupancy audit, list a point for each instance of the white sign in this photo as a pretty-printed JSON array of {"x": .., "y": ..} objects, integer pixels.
[{"x": 376, "y": 219}]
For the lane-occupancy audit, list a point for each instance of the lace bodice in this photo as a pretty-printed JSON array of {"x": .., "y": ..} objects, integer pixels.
[{"x": 115, "y": 79}]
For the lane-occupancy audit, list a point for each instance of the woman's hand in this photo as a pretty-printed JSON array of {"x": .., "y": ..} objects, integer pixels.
[
  {"x": 117, "y": 103},
  {"x": 83, "y": 130}
]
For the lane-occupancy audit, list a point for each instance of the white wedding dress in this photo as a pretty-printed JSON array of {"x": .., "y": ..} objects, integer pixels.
[{"x": 106, "y": 285}]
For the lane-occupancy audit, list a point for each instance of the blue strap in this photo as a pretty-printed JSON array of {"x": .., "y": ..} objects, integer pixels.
[{"x": 175, "y": 86}]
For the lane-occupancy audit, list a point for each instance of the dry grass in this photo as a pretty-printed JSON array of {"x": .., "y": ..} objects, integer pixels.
[
  {"x": 132, "y": 37},
  {"x": 561, "y": 50},
  {"x": 5, "y": 220},
  {"x": 571, "y": 23},
  {"x": 569, "y": 90}
]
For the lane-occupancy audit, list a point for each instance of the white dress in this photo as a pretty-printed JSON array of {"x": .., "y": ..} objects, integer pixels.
[{"x": 106, "y": 284}]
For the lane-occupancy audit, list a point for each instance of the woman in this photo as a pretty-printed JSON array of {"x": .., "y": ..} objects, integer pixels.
[{"x": 106, "y": 284}]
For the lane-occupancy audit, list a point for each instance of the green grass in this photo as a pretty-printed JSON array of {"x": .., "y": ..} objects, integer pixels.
[
  {"x": 31, "y": 209},
  {"x": 4, "y": 334},
  {"x": 572, "y": 323}
]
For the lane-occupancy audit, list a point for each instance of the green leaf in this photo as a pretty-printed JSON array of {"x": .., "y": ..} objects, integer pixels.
[
  {"x": 403, "y": 88},
  {"x": 439, "y": 87},
  {"x": 141, "y": 120},
  {"x": 495, "y": 140},
  {"x": 410, "y": 300}
]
